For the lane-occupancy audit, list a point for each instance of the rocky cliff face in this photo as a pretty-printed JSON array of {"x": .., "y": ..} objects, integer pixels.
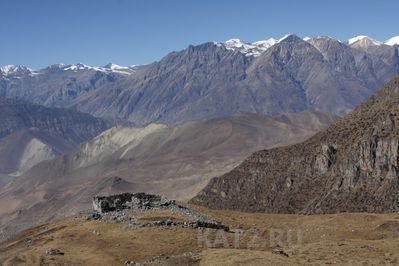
[
  {"x": 212, "y": 80},
  {"x": 351, "y": 166}
]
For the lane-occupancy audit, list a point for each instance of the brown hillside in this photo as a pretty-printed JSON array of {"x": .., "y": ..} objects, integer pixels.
[{"x": 343, "y": 239}]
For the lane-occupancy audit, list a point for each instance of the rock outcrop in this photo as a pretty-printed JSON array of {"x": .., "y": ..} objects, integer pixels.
[{"x": 351, "y": 166}]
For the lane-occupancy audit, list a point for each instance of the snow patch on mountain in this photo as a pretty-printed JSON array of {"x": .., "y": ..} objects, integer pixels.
[
  {"x": 117, "y": 68},
  {"x": 247, "y": 48},
  {"x": 109, "y": 68},
  {"x": 285, "y": 37},
  {"x": 320, "y": 38},
  {"x": 392, "y": 41},
  {"x": 257, "y": 48},
  {"x": 266, "y": 43},
  {"x": 113, "y": 66},
  {"x": 363, "y": 41},
  {"x": 8, "y": 70},
  {"x": 15, "y": 71},
  {"x": 76, "y": 67}
]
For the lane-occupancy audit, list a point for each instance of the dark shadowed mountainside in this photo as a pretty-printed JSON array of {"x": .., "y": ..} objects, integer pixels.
[{"x": 32, "y": 133}]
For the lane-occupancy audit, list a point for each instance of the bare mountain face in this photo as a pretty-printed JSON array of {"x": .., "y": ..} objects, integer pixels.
[
  {"x": 32, "y": 133},
  {"x": 352, "y": 166},
  {"x": 173, "y": 161},
  {"x": 218, "y": 79}
]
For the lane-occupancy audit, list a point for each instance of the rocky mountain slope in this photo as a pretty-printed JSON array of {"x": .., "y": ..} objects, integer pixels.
[
  {"x": 173, "y": 161},
  {"x": 32, "y": 133},
  {"x": 352, "y": 166},
  {"x": 218, "y": 79}
]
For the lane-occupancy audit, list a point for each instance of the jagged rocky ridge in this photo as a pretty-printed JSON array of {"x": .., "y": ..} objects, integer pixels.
[
  {"x": 213, "y": 80},
  {"x": 350, "y": 167}
]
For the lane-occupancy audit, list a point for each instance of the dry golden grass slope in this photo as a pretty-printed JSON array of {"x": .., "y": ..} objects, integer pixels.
[{"x": 344, "y": 239}]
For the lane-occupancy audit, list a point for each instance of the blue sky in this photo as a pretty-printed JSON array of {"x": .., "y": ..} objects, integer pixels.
[{"x": 95, "y": 32}]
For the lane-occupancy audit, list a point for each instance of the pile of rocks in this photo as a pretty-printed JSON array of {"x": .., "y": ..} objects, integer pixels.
[
  {"x": 188, "y": 258},
  {"x": 280, "y": 251},
  {"x": 113, "y": 209},
  {"x": 186, "y": 224},
  {"x": 54, "y": 252},
  {"x": 137, "y": 201},
  {"x": 200, "y": 219}
]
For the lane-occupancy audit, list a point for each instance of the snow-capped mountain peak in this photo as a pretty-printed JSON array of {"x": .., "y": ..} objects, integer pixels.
[
  {"x": 266, "y": 43},
  {"x": 285, "y": 37},
  {"x": 14, "y": 69},
  {"x": 234, "y": 43},
  {"x": 247, "y": 48},
  {"x": 291, "y": 37},
  {"x": 306, "y": 39},
  {"x": 392, "y": 41},
  {"x": 109, "y": 68},
  {"x": 259, "y": 47},
  {"x": 76, "y": 67},
  {"x": 113, "y": 66},
  {"x": 363, "y": 41},
  {"x": 356, "y": 38}
]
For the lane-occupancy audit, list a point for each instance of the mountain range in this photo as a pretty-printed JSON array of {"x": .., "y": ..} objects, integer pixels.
[
  {"x": 352, "y": 166},
  {"x": 217, "y": 79}
]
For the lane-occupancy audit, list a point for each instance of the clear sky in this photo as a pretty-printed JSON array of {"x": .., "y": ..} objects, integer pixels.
[{"x": 38, "y": 33}]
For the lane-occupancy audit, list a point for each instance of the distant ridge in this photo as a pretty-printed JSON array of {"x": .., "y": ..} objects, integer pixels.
[{"x": 32, "y": 133}]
